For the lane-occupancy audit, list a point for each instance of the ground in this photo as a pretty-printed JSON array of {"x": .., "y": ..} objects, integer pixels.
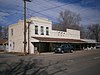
[{"x": 77, "y": 63}]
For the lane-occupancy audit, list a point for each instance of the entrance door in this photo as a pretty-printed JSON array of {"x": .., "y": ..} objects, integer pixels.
[{"x": 44, "y": 47}]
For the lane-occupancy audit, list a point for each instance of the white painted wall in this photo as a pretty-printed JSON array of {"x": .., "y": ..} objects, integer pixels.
[
  {"x": 69, "y": 34},
  {"x": 17, "y": 37},
  {"x": 40, "y": 22}
]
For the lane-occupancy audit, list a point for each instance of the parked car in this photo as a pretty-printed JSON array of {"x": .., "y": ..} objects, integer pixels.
[
  {"x": 64, "y": 48},
  {"x": 98, "y": 47}
]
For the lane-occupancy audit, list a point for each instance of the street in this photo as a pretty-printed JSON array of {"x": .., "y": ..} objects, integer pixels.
[{"x": 77, "y": 63}]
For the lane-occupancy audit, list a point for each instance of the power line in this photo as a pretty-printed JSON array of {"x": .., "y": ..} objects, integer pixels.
[
  {"x": 46, "y": 10},
  {"x": 17, "y": 18},
  {"x": 51, "y": 8},
  {"x": 54, "y": 5},
  {"x": 40, "y": 12}
]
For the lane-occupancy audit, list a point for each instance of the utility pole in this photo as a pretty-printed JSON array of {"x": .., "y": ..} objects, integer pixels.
[
  {"x": 25, "y": 42},
  {"x": 25, "y": 27}
]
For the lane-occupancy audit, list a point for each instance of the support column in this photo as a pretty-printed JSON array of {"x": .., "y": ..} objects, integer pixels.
[{"x": 39, "y": 47}]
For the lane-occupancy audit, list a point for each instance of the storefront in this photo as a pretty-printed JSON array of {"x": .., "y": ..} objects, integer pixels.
[{"x": 46, "y": 44}]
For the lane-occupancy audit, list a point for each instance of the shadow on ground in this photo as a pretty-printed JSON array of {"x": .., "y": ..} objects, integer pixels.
[{"x": 31, "y": 67}]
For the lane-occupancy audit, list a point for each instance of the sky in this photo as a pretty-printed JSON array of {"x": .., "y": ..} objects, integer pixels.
[{"x": 12, "y": 10}]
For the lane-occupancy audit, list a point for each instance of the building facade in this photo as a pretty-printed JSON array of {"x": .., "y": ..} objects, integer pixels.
[{"x": 39, "y": 35}]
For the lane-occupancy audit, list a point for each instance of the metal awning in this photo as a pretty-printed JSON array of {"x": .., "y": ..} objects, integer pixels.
[
  {"x": 58, "y": 40},
  {"x": 3, "y": 41},
  {"x": 89, "y": 40}
]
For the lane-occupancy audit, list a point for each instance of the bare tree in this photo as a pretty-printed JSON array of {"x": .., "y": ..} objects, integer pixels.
[
  {"x": 83, "y": 32},
  {"x": 4, "y": 32},
  {"x": 69, "y": 19},
  {"x": 1, "y": 32},
  {"x": 94, "y": 30}
]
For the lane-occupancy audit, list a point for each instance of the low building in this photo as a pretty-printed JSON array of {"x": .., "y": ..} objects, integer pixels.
[
  {"x": 40, "y": 36},
  {"x": 3, "y": 44},
  {"x": 88, "y": 44}
]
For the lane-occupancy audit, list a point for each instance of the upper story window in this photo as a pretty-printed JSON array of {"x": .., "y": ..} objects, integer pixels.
[
  {"x": 11, "y": 32},
  {"x": 36, "y": 29},
  {"x": 42, "y": 30},
  {"x": 47, "y": 30}
]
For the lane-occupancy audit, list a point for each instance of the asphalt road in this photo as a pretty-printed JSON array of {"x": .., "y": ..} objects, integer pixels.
[
  {"x": 77, "y": 63},
  {"x": 85, "y": 65}
]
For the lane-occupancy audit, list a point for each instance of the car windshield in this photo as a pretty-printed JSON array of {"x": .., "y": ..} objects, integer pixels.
[{"x": 62, "y": 46}]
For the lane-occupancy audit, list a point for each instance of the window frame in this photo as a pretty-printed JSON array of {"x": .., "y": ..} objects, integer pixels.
[
  {"x": 36, "y": 29},
  {"x": 47, "y": 30},
  {"x": 42, "y": 30},
  {"x": 12, "y": 32}
]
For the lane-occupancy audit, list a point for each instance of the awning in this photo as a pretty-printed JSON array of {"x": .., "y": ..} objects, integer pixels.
[
  {"x": 58, "y": 40},
  {"x": 3, "y": 41},
  {"x": 89, "y": 40}
]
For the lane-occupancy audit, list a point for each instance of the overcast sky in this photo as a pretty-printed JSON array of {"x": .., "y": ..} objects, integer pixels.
[{"x": 12, "y": 10}]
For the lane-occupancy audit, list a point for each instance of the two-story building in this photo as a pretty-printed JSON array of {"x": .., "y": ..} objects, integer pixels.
[{"x": 39, "y": 35}]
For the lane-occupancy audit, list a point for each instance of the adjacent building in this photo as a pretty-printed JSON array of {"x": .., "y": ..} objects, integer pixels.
[{"x": 3, "y": 45}]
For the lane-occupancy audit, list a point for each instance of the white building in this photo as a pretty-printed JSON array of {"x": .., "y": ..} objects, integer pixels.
[{"x": 40, "y": 36}]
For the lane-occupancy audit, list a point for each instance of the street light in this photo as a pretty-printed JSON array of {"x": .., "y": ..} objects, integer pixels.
[{"x": 25, "y": 42}]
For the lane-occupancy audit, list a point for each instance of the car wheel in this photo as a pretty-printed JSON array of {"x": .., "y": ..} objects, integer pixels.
[
  {"x": 71, "y": 51},
  {"x": 62, "y": 51}
]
